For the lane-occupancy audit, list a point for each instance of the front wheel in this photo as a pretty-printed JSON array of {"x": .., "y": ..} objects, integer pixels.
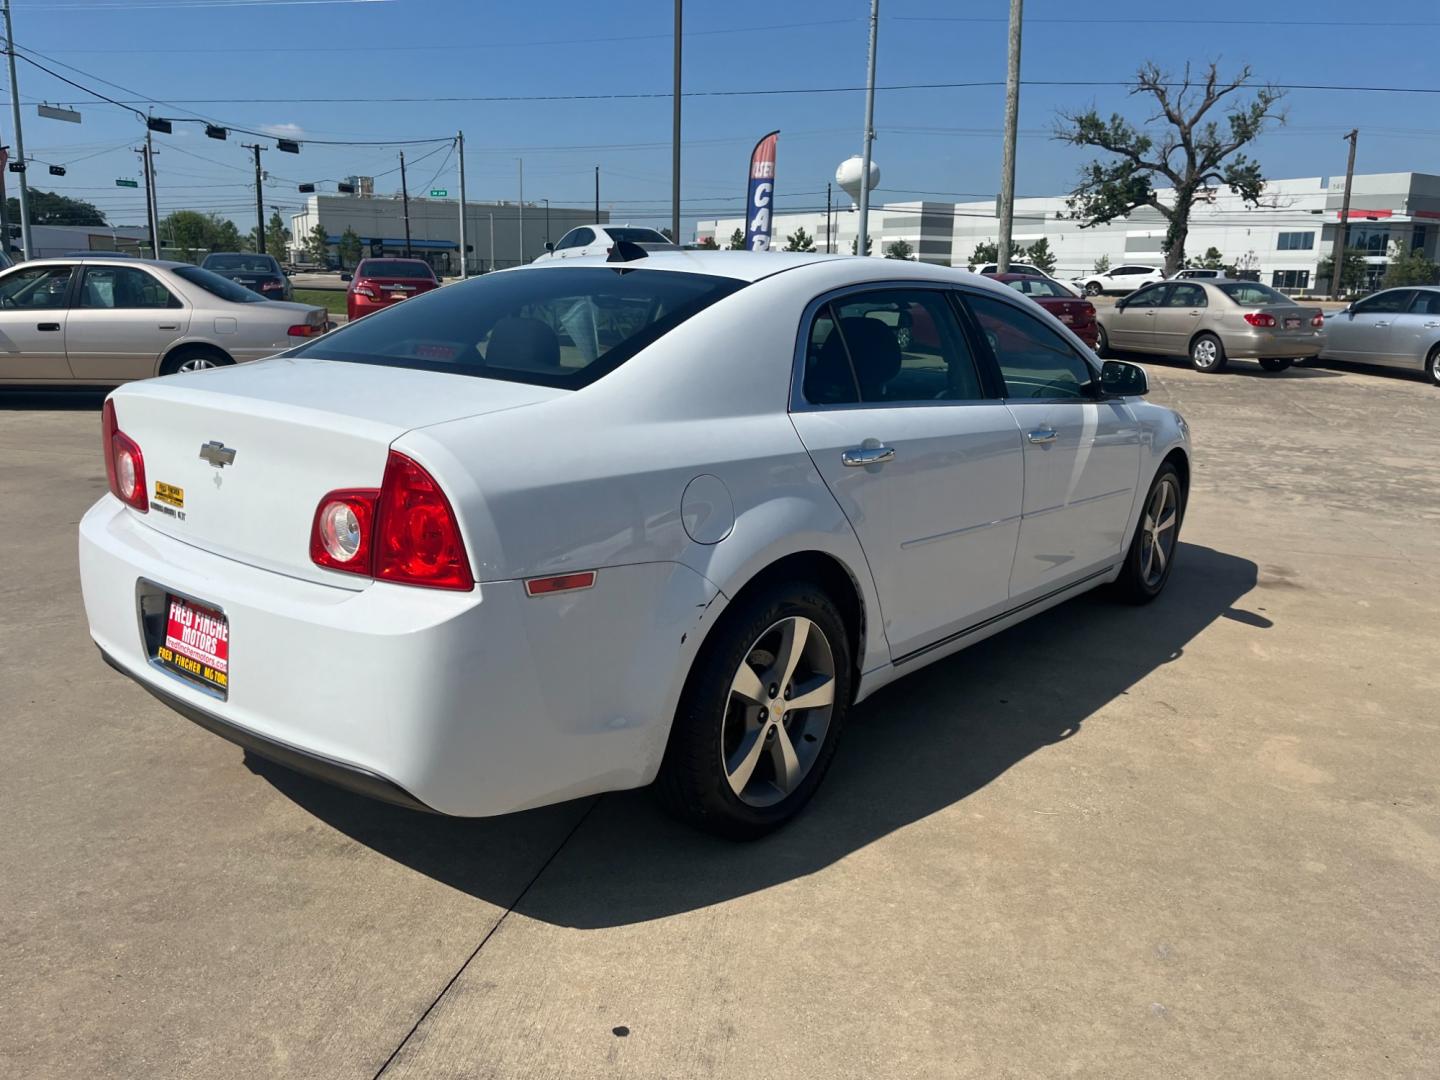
[
  {"x": 1152, "y": 552},
  {"x": 1092, "y": 288},
  {"x": 760, "y": 715},
  {"x": 1270, "y": 363},
  {"x": 1207, "y": 354}
]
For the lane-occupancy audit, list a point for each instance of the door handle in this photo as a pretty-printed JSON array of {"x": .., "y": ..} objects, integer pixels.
[
  {"x": 1431, "y": 325},
  {"x": 1380, "y": 324},
  {"x": 866, "y": 455},
  {"x": 1042, "y": 435},
  {"x": 169, "y": 326},
  {"x": 47, "y": 326}
]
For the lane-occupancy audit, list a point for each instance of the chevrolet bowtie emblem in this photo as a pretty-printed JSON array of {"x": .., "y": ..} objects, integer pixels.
[{"x": 217, "y": 454}]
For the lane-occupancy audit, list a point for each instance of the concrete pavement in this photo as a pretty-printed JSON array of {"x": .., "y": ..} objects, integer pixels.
[{"x": 1199, "y": 838}]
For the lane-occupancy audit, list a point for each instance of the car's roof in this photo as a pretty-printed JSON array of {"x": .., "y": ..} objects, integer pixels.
[
  {"x": 740, "y": 265},
  {"x": 102, "y": 257},
  {"x": 1016, "y": 277}
]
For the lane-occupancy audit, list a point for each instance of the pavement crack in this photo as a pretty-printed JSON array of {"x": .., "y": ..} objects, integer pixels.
[{"x": 488, "y": 935}]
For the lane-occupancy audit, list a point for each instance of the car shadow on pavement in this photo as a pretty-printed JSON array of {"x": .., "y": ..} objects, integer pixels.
[
  {"x": 917, "y": 747},
  {"x": 41, "y": 399},
  {"x": 1248, "y": 368}
]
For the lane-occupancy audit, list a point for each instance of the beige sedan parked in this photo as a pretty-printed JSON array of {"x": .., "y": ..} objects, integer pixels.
[
  {"x": 105, "y": 320},
  {"x": 1212, "y": 322}
]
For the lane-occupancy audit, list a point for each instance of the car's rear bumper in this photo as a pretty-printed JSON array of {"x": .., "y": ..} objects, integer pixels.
[
  {"x": 468, "y": 703},
  {"x": 1265, "y": 344}
]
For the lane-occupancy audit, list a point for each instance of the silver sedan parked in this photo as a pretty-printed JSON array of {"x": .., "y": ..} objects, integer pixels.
[
  {"x": 1211, "y": 322},
  {"x": 102, "y": 321},
  {"x": 1396, "y": 328}
]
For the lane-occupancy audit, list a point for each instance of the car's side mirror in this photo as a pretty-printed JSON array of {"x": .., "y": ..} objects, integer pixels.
[
  {"x": 1120, "y": 379},
  {"x": 347, "y": 277},
  {"x": 549, "y": 246},
  {"x": 1122, "y": 304}
]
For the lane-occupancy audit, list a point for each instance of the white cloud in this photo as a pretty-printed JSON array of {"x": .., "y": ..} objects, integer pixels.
[{"x": 283, "y": 131}]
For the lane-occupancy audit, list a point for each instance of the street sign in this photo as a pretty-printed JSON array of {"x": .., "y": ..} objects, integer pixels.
[
  {"x": 438, "y": 193},
  {"x": 127, "y": 183}
]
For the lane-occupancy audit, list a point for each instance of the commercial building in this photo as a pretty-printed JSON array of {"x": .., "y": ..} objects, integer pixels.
[
  {"x": 1283, "y": 239},
  {"x": 48, "y": 241},
  {"x": 497, "y": 234}
]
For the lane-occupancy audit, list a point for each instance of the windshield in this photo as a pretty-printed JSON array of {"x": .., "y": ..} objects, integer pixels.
[
  {"x": 396, "y": 268},
  {"x": 563, "y": 328},
  {"x": 636, "y": 236},
  {"x": 241, "y": 264},
  {"x": 220, "y": 286},
  {"x": 1253, "y": 294}
]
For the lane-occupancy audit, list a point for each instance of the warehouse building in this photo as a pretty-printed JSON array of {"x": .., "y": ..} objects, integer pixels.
[
  {"x": 497, "y": 234},
  {"x": 1283, "y": 239}
]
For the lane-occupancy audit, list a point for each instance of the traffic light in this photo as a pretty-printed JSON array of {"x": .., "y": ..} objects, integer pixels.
[
  {"x": 157, "y": 123},
  {"x": 345, "y": 189},
  {"x": 17, "y": 166},
  {"x": 57, "y": 170},
  {"x": 289, "y": 146},
  {"x": 216, "y": 132},
  {"x": 307, "y": 189}
]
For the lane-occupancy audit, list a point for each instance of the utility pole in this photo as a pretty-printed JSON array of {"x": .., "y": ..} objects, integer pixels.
[
  {"x": 492, "y": 240},
  {"x": 25, "y": 244},
  {"x": 829, "y": 236},
  {"x": 405, "y": 202},
  {"x": 4, "y": 213},
  {"x": 862, "y": 238},
  {"x": 147, "y": 155},
  {"x": 259, "y": 198},
  {"x": 547, "y": 219},
  {"x": 1012, "y": 118},
  {"x": 521, "y": 162},
  {"x": 597, "y": 194},
  {"x": 464, "y": 258},
  {"x": 675, "y": 138},
  {"x": 1337, "y": 256}
]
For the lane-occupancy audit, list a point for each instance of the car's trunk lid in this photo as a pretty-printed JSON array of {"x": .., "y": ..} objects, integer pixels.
[
  {"x": 1071, "y": 312},
  {"x": 298, "y": 428}
]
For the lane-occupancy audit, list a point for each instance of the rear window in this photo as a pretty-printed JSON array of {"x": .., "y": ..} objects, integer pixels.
[
  {"x": 401, "y": 268},
  {"x": 637, "y": 236},
  {"x": 241, "y": 264},
  {"x": 552, "y": 327},
  {"x": 220, "y": 286},
  {"x": 1252, "y": 294}
]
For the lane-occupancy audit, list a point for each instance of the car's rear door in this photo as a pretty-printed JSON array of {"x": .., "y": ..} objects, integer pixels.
[
  {"x": 121, "y": 323},
  {"x": 1082, "y": 453},
  {"x": 1177, "y": 316},
  {"x": 1415, "y": 330},
  {"x": 918, "y": 450},
  {"x": 34, "y": 307}
]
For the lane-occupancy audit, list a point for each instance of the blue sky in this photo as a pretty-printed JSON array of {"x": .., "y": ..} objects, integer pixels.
[{"x": 931, "y": 143}]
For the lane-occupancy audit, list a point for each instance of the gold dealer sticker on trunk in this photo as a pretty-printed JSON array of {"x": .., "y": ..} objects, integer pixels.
[{"x": 170, "y": 494}]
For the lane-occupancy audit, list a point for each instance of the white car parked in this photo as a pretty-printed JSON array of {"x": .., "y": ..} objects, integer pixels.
[
  {"x": 568, "y": 529},
  {"x": 587, "y": 240},
  {"x": 1034, "y": 271},
  {"x": 1121, "y": 279}
]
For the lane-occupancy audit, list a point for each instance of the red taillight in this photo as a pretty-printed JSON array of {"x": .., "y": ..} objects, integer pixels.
[
  {"x": 1318, "y": 319},
  {"x": 364, "y": 290},
  {"x": 404, "y": 532},
  {"x": 305, "y": 330},
  {"x": 124, "y": 463},
  {"x": 1089, "y": 310},
  {"x": 1259, "y": 318},
  {"x": 543, "y": 586}
]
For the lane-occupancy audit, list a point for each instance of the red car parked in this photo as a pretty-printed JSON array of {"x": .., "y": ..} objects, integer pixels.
[
  {"x": 378, "y": 283},
  {"x": 1078, "y": 315}
]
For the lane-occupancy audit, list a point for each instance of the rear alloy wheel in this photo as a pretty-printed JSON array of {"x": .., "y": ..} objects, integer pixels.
[
  {"x": 761, "y": 713},
  {"x": 1092, "y": 289},
  {"x": 1152, "y": 552},
  {"x": 1207, "y": 354},
  {"x": 1270, "y": 363},
  {"x": 193, "y": 360},
  {"x": 1432, "y": 366}
]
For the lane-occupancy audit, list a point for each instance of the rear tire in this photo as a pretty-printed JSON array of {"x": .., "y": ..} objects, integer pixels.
[
  {"x": 1270, "y": 363},
  {"x": 194, "y": 358},
  {"x": 1207, "y": 354},
  {"x": 1157, "y": 538},
  {"x": 1092, "y": 288},
  {"x": 1432, "y": 366},
  {"x": 725, "y": 768}
]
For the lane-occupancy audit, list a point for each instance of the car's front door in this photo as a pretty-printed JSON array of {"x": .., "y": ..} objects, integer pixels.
[
  {"x": 1131, "y": 325},
  {"x": 1415, "y": 330},
  {"x": 922, "y": 456},
  {"x": 34, "y": 308},
  {"x": 122, "y": 322},
  {"x": 1177, "y": 317},
  {"x": 1082, "y": 452},
  {"x": 1362, "y": 331}
]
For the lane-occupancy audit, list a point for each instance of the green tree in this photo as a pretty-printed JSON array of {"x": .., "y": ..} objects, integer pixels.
[
  {"x": 1190, "y": 154},
  {"x": 708, "y": 244},
  {"x": 737, "y": 240},
  {"x": 1102, "y": 264},
  {"x": 1352, "y": 271},
  {"x": 988, "y": 251},
  {"x": 665, "y": 232},
  {"x": 1409, "y": 268},
  {"x": 900, "y": 249},
  {"x": 1211, "y": 260},
  {"x": 195, "y": 235},
  {"x": 799, "y": 240},
  {"x": 317, "y": 245},
  {"x": 869, "y": 244},
  {"x": 277, "y": 237},
  {"x": 52, "y": 208},
  {"x": 349, "y": 248},
  {"x": 1040, "y": 256}
]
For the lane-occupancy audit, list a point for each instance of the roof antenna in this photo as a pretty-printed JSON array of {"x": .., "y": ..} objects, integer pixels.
[{"x": 626, "y": 251}]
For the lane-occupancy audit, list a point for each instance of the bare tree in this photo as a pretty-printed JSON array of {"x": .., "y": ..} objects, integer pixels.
[{"x": 1192, "y": 154}]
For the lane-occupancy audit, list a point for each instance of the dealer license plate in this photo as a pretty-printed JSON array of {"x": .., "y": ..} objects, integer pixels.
[{"x": 196, "y": 644}]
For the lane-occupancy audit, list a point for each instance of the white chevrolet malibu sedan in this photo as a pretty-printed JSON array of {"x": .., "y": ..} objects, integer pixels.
[{"x": 591, "y": 525}]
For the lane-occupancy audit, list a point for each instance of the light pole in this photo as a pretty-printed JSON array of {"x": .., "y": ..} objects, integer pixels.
[
  {"x": 521, "y": 163},
  {"x": 862, "y": 238},
  {"x": 547, "y": 219}
]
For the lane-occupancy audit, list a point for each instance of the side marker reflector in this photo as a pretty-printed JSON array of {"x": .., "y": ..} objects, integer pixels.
[{"x": 542, "y": 586}]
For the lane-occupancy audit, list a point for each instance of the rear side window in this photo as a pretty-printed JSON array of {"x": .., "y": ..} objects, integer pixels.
[
  {"x": 1035, "y": 360},
  {"x": 563, "y": 326},
  {"x": 219, "y": 286},
  {"x": 890, "y": 345},
  {"x": 1252, "y": 294},
  {"x": 637, "y": 236}
]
